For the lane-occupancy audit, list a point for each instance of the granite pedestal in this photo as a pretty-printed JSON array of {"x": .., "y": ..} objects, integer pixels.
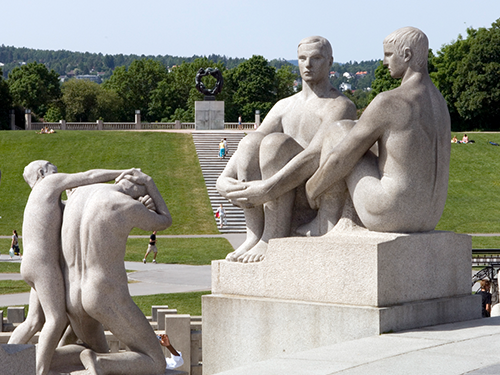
[
  {"x": 312, "y": 292},
  {"x": 209, "y": 115}
]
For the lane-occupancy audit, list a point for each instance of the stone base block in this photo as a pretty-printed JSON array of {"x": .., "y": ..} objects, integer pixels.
[
  {"x": 239, "y": 330},
  {"x": 366, "y": 269},
  {"x": 209, "y": 115},
  {"x": 17, "y": 359}
]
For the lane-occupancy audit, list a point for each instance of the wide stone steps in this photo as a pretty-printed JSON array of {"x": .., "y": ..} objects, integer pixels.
[{"x": 207, "y": 149}]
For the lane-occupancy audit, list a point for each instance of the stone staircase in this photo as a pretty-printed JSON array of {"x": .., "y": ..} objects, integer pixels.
[{"x": 207, "y": 148}]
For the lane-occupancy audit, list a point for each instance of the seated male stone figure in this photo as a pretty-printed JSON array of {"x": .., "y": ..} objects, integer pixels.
[
  {"x": 404, "y": 188},
  {"x": 286, "y": 131},
  {"x": 40, "y": 267},
  {"x": 96, "y": 223}
]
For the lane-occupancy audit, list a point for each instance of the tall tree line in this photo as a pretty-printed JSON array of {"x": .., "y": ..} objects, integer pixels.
[{"x": 161, "y": 94}]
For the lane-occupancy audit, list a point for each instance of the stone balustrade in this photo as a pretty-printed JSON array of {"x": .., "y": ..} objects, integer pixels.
[{"x": 184, "y": 331}]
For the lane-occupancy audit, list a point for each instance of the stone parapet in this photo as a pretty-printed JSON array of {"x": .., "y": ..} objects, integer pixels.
[{"x": 368, "y": 269}]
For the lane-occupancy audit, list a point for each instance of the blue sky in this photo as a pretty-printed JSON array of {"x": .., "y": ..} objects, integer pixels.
[{"x": 234, "y": 28}]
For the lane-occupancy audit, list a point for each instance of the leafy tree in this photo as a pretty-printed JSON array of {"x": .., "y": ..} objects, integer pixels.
[
  {"x": 175, "y": 96},
  {"x": 285, "y": 77},
  {"x": 383, "y": 81},
  {"x": 32, "y": 86},
  {"x": 468, "y": 75},
  {"x": 87, "y": 101},
  {"x": 5, "y": 103},
  {"x": 251, "y": 86},
  {"x": 135, "y": 85}
]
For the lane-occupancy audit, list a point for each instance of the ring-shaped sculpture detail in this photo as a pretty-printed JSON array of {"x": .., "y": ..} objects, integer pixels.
[{"x": 214, "y": 72}]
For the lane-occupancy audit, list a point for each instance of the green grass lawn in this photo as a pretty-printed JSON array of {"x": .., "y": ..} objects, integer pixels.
[
  {"x": 170, "y": 158},
  {"x": 185, "y": 303},
  {"x": 473, "y": 203},
  {"x": 194, "y": 251},
  {"x": 13, "y": 286}
]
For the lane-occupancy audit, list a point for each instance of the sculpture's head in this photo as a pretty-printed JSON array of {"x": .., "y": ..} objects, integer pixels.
[
  {"x": 37, "y": 170},
  {"x": 131, "y": 188},
  {"x": 406, "y": 47},
  {"x": 315, "y": 58}
]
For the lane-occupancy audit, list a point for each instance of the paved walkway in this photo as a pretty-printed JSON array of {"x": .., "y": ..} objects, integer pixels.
[
  {"x": 471, "y": 348},
  {"x": 148, "y": 279}
]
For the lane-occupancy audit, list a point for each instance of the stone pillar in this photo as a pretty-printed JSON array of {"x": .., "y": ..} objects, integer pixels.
[
  {"x": 137, "y": 119},
  {"x": 17, "y": 359},
  {"x": 99, "y": 124},
  {"x": 63, "y": 124},
  {"x": 154, "y": 311},
  {"x": 257, "y": 118},
  {"x": 178, "y": 124},
  {"x": 15, "y": 314},
  {"x": 209, "y": 115},
  {"x": 27, "y": 119},
  {"x": 12, "y": 115},
  {"x": 161, "y": 317},
  {"x": 1, "y": 320},
  {"x": 178, "y": 329}
]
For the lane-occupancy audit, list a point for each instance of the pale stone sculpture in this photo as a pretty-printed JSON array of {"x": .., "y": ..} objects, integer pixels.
[
  {"x": 286, "y": 131},
  {"x": 42, "y": 250},
  {"x": 404, "y": 188},
  {"x": 97, "y": 221}
]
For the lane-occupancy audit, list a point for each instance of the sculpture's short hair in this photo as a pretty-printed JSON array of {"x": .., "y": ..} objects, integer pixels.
[
  {"x": 34, "y": 171},
  {"x": 413, "y": 38},
  {"x": 323, "y": 42}
]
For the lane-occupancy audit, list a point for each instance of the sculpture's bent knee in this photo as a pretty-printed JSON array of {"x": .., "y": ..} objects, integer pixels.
[{"x": 276, "y": 150}]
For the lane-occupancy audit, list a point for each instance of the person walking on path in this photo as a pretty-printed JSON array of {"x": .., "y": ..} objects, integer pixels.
[
  {"x": 222, "y": 149},
  {"x": 14, "y": 245},
  {"x": 486, "y": 298},
  {"x": 221, "y": 215},
  {"x": 151, "y": 248}
]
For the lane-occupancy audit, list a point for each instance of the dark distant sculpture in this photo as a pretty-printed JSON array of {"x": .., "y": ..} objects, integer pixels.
[{"x": 214, "y": 72}]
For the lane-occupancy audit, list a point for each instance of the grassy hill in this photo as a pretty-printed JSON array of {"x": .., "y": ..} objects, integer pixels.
[
  {"x": 169, "y": 158},
  {"x": 473, "y": 204}
]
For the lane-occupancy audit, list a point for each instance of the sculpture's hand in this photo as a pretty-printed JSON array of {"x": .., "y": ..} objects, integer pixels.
[
  {"x": 250, "y": 194},
  {"x": 127, "y": 172},
  {"x": 136, "y": 176},
  {"x": 226, "y": 185},
  {"x": 148, "y": 202}
]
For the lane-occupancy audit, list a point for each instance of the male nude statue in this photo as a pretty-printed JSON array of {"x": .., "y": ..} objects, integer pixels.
[
  {"x": 41, "y": 267},
  {"x": 404, "y": 188},
  {"x": 96, "y": 224},
  {"x": 286, "y": 131}
]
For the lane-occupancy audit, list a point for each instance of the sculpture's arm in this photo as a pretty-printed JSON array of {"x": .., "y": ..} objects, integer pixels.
[
  {"x": 64, "y": 181},
  {"x": 346, "y": 154},
  {"x": 229, "y": 180},
  {"x": 295, "y": 172}
]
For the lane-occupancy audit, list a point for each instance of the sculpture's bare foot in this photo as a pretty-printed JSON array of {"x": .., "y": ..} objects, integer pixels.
[
  {"x": 309, "y": 229},
  {"x": 91, "y": 363},
  {"x": 244, "y": 247},
  {"x": 255, "y": 254}
]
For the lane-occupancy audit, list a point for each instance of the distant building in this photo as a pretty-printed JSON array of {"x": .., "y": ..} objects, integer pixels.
[
  {"x": 361, "y": 74},
  {"x": 89, "y": 77},
  {"x": 345, "y": 86},
  {"x": 347, "y": 75},
  {"x": 334, "y": 75}
]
